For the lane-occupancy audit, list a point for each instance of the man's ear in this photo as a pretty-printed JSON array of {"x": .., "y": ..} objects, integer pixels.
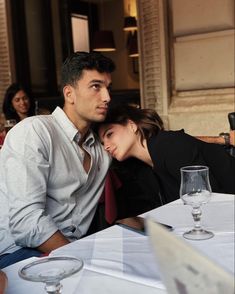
[{"x": 68, "y": 92}]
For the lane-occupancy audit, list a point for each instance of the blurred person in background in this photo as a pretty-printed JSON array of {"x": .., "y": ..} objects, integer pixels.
[
  {"x": 17, "y": 104},
  {"x": 2, "y": 131}
]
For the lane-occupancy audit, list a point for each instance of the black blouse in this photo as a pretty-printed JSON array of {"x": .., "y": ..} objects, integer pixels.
[{"x": 171, "y": 150}]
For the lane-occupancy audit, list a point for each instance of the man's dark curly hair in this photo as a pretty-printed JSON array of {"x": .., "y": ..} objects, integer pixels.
[{"x": 73, "y": 66}]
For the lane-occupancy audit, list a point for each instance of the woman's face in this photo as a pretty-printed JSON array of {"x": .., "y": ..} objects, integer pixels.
[
  {"x": 119, "y": 140},
  {"x": 21, "y": 102}
]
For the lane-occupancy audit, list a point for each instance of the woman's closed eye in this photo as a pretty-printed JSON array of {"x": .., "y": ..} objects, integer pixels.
[{"x": 108, "y": 134}]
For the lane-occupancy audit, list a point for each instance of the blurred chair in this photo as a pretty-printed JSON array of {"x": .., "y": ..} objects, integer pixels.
[{"x": 231, "y": 119}]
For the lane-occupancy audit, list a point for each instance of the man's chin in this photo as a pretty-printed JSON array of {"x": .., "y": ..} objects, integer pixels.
[{"x": 100, "y": 118}]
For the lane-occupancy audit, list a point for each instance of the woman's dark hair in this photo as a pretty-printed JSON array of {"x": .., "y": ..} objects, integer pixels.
[
  {"x": 74, "y": 65},
  {"x": 147, "y": 120},
  {"x": 7, "y": 106}
]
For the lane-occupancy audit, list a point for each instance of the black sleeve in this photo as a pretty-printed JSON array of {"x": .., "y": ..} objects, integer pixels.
[
  {"x": 222, "y": 166},
  {"x": 182, "y": 149}
]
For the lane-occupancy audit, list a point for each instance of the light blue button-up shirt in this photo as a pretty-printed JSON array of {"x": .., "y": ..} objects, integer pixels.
[{"x": 43, "y": 185}]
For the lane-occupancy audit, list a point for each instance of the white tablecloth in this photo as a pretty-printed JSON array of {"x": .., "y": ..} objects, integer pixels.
[{"x": 120, "y": 261}]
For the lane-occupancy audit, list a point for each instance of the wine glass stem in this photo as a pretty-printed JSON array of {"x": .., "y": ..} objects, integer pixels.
[
  {"x": 53, "y": 288},
  {"x": 197, "y": 213}
]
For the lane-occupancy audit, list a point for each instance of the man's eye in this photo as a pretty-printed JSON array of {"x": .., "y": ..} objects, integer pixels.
[{"x": 96, "y": 86}]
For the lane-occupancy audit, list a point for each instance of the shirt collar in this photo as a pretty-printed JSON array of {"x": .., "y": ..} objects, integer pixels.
[
  {"x": 89, "y": 140},
  {"x": 69, "y": 128}
]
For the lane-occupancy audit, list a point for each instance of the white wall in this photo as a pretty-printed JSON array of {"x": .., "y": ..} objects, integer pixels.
[{"x": 192, "y": 79}]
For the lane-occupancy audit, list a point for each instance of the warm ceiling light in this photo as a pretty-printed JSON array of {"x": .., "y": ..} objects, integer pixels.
[
  {"x": 130, "y": 23},
  {"x": 103, "y": 41}
]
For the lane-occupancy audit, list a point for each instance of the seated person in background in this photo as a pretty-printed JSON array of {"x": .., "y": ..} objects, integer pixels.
[
  {"x": 131, "y": 132},
  {"x": 219, "y": 139},
  {"x": 53, "y": 168},
  {"x": 2, "y": 133},
  {"x": 3, "y": 282},
  {"x": 17, "y": 104}
]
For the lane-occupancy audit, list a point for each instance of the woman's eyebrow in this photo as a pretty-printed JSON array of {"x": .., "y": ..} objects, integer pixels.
[{"x": 105, "y": 131}]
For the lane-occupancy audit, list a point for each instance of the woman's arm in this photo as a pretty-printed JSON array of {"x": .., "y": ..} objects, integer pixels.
[{"x": 219, "y": 139}]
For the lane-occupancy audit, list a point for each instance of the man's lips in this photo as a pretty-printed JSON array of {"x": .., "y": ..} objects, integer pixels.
[{"x": 102, "y": 109}]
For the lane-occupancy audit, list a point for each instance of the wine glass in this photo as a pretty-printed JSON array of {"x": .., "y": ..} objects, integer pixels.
[
  {"x": 195, "y": 190},
  {"x": 9, "y": 123},
  {"x": 51, "y": 270}
]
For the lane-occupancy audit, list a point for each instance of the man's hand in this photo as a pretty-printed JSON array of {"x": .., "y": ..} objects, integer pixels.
[
  {"x": 3, "y": 282},
  {"x": 218, "y": 139}
]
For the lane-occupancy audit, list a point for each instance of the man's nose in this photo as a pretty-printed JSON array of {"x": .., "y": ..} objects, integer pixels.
[{"x": 105, "y": 95}]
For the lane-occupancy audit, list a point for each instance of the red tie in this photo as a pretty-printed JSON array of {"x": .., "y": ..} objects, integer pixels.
[{"x": 112, "y": 183}]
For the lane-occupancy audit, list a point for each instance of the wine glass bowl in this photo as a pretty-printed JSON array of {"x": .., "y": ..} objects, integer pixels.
[
  {"x": 195, "y": 190},
  {"x": 9, "y": 123},
  {"x": 51, "y": 270}
]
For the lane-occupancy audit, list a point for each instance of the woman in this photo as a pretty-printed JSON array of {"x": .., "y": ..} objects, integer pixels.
[
  {"x": 131, "y": 132},
  {"x": 17, "y": 104}
]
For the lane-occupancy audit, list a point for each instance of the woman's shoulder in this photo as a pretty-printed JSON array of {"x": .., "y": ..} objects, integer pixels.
[
  {"x": 172, "y": 135},
  {"x": 167, "y": 143}
]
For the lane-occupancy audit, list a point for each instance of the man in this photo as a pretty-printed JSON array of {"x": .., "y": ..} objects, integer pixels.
[{"x": 52, "y": 167}]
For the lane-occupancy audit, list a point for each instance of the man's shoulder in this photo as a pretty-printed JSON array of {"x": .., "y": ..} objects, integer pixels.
[
  {"x": 35, "y": 122},
  {"x": 29, "y": 129}
]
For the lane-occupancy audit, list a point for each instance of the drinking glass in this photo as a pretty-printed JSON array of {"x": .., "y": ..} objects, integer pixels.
[
  {"x": 51, "y": 270},
  {"x": 9, "y": 123},
  {"x": 195, "y": 190}
]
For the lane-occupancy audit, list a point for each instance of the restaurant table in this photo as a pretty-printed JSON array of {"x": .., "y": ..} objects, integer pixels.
[{"x": 118, "y": 260}]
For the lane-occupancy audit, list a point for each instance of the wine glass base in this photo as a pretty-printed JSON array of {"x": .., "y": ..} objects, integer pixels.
[{"x": 198, "y": 235}]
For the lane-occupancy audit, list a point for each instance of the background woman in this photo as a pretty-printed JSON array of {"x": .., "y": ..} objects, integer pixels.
[
  {"x": 17, "y": 104},
  {"x": 132, "y": 132}
]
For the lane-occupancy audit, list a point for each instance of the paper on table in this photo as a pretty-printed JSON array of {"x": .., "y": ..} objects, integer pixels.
[{"x": 184, "y": 269}]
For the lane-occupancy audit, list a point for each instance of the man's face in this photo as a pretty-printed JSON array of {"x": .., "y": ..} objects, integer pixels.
[{"x": 88, "y": 100}]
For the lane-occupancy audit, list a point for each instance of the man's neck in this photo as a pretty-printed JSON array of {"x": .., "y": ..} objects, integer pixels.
[{"x": 82, "y": 126}]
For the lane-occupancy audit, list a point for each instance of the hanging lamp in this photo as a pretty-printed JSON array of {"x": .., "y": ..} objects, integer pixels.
[
  {"x": 130, "y": 23},
  {"x": 103, "y": 41}
]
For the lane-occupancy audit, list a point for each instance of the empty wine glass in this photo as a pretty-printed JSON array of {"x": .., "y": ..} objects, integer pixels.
[
  {"x": 195, "y": 190},
  {"x": 9, "y": 123},
  {"x": 51, "y": 270}
]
